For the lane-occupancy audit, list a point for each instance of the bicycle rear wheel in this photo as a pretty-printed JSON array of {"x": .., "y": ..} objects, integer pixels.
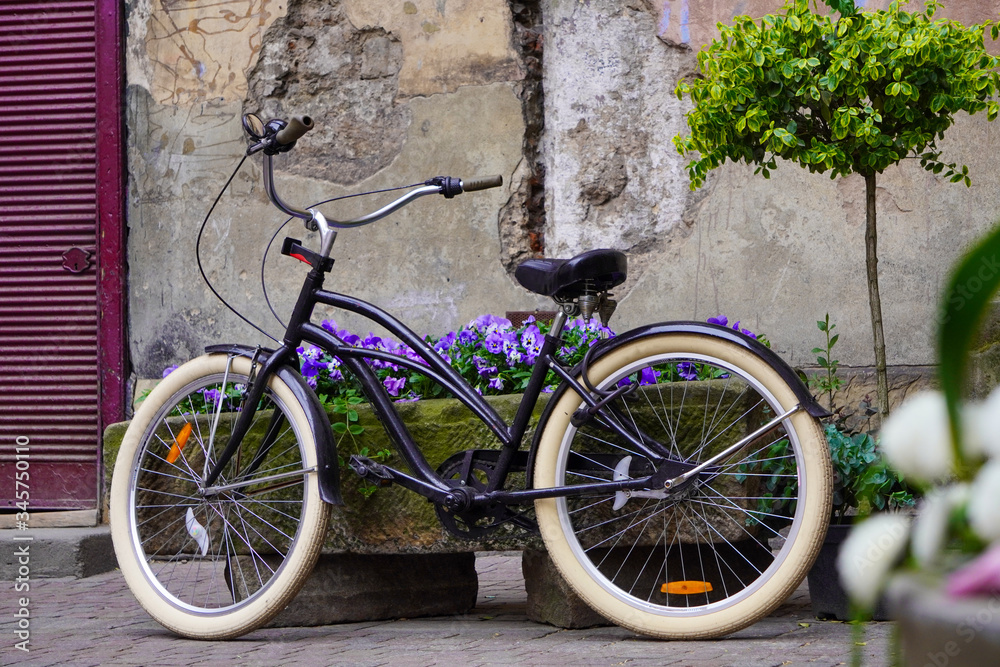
[
  {"x": 216, "y": 565},
  {"x": 718, "y": 553}
]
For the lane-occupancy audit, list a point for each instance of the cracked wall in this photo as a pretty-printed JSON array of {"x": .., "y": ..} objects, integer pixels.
[
  {"x": 776, "y": 254},
  {"x": 572, "y": 102},
  {"x": 400, "y": 92}
]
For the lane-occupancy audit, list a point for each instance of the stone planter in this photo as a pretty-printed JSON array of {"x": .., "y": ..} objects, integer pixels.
[
  {"x": 394, "y": 520},
  {"x": 935, "y": 629},
  {"x": 829, "y": 600}
]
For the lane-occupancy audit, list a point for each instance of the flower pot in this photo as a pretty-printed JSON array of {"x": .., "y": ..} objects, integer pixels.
[
  {"x": 829, "y": 600},
  {"x": 936, "y": 629}
]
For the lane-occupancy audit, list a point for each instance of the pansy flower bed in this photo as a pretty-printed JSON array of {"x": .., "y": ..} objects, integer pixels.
[{"x": 492, "y": 355}]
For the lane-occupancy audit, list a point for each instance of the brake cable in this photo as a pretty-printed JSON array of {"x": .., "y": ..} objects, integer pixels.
[
  {"x": 263, "y": 260},
  {"x": 197, "y": 253}
]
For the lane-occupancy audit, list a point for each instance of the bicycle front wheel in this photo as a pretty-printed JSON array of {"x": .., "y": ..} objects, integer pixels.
[
  {"x": 217, "y": 563},
  {"x": 717, "y": 553}
]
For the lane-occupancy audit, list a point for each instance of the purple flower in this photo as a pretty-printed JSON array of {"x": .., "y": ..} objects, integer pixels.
[
  {"x": 494, "y": 343},
  {"x": 467, "y": 337},
  {"x": 721, "y": 320},
  {"x": 311, "y": 364},
  {"x": 483, "y": 366},
  {"x": 490, "y": 323},
  {"x": 745, "y": 332},
  {"x": 373, "y": 342},
  {"x": 687, "y": 370},
  {"x": 312, "y": 352},
  {"x": 446, "y": 342},
  {"x": 648, "y": 376},
  {"x": 394, "y": 385},
  {"x": 211, "y": 395},
  {"x": 169, "y": 369},
  {"x": 496, "y": 383},
  {"x": 531, "y": 341}
]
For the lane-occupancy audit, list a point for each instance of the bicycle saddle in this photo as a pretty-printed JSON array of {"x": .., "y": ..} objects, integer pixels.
[{"x": 591, "y": 271}]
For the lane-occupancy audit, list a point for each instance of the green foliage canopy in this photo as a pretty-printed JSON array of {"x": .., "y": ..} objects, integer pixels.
[{"x": 851, "y": 94}]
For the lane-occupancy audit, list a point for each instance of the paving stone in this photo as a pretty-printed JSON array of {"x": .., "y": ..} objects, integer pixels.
[{"x": 96, "y": 621}]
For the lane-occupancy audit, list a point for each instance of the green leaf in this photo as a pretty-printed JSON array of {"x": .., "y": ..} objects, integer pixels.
[
  {"x": 966, "y": 299},
  {"x": 758, "y": 58},
  {"x": 339, "y": 427},
  {"x": 356, "y": 429}
]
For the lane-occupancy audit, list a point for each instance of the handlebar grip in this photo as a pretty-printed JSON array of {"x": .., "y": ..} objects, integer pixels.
[
  {"x": 482, "y": 183},
  {"x": 297, "y": 126}
]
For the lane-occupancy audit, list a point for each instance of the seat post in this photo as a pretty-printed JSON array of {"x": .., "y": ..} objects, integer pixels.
[{"x": 558, "y": 322}]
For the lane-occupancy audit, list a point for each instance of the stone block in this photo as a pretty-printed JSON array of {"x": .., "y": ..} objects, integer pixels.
[
  {"x": 347, "y": 588},
  {"x": 59, "y": 552},
  {"x": 550, "y": 598}
]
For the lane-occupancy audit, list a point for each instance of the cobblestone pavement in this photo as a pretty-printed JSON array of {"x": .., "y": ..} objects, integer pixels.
[{"x": 96, "y": 621}]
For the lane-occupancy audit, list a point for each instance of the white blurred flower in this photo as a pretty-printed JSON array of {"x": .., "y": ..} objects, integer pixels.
[
  {"x": 982, "y": 427},
  {"x": 930, "y": 529},
  {"x": 916, "y": 439},
  {"x": 984, "y": 502},
  {"x": 872, "y": 549}
]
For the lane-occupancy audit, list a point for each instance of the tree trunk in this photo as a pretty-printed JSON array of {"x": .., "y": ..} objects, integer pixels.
[{"x": 874, "y": 302}]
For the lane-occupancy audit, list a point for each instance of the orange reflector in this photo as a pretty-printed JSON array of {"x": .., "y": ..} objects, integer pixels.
[
  {"x": 179, "y": 442},
  {"x": 686, "y": 587}
]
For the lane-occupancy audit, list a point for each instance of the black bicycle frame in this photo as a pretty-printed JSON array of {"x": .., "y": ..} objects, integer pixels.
[{"x": 426, "y": 481}]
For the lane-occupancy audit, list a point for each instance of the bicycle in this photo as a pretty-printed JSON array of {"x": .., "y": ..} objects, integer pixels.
[{"x": 660, "y": 473}]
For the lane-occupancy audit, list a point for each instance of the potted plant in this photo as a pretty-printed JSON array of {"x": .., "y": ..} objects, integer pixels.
[{"x": 863, "y": 483}]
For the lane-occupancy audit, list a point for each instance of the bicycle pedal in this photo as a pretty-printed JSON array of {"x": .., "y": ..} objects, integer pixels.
[{"x": 374, "y": 472}]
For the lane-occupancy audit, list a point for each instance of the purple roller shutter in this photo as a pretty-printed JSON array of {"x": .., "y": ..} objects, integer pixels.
[{"x": 50, "y": 385}]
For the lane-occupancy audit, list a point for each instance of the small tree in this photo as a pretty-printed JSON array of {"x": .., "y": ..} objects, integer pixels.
[{"x": 847, "y": 95}]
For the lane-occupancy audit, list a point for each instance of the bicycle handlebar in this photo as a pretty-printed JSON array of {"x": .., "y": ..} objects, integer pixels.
[
  {"x": 482, "y": 183},
  {"x": 277, "y": 136},
  {"x": 296, "y": 127}
]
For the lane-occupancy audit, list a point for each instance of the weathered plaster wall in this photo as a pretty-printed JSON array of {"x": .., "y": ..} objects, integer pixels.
[
  {"x": 775, "y": 254},
  {"x": 401, "y": 92},
  {"x": 577, "y": 114}
]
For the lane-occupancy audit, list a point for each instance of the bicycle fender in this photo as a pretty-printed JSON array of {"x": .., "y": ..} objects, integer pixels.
[
  {"x": 780, "y": 366},
  {"x": 319, "y": 422}
]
